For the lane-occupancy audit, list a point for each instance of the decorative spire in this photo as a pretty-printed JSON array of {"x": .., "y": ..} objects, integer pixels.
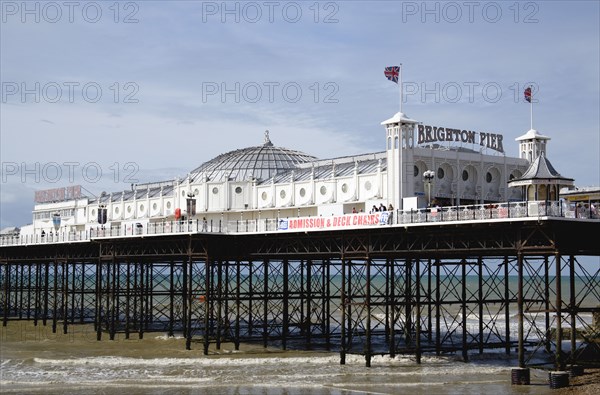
[{"x": 267, "y": 142}]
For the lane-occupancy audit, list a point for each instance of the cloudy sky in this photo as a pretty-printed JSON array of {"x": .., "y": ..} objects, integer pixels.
[{"x": 149, "y": 90}]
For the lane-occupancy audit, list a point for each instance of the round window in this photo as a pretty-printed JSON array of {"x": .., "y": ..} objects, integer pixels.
[
  {"x": 154, "y": 206},
  {"x": 182, "y": 193},
  {"x": 465, "y": 175},
  {"x": 141, "y": 207},
  {"x": 263, "y": 196},
  {"x": 215, "y": 190},
  {"x": 440, "y": 173},
  {"x": 488, "y": 177},
  {"x": 323, "y": 190},
  {"x": 416, "y": 171},
  {"x": 168, "y": 204},
  {"x": 238, "y": 190},
  {"x": 116, "y": 210},
  {"x": 196, "y": 192},
  {"x": 345, "y": 188},
  {"x": 128, "y": 209},
  {"x": 368, "y": 185},
  {"x": 93, "y": 213},
  {"x": 282, "y": 194},
  {"x": 302, "y": 192}
]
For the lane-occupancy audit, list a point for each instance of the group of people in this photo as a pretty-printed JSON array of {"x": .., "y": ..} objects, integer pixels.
[
  {"x": 586, "y": 211},
  {"x": 381, "y": 208},
  {"x": 375, "y": 209}
]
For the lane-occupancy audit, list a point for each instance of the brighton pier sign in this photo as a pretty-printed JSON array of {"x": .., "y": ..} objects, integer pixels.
[{"x": 433, "y": 134}]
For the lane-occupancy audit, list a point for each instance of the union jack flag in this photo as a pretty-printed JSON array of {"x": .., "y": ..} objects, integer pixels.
[
  {"x": 528, "y": 94},
  {"x": 392, "y": 73}
]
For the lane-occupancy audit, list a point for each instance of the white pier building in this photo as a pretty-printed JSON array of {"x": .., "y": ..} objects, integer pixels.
[{"x": 426, "y": 165}]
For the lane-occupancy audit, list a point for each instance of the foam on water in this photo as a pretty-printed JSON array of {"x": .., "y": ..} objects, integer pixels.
[
  {"x": 431, "y": 364},
  {"x": 265, "y": 374},
  {"x": 167, "y": 337},
  {"x": 208, "y": 361}
]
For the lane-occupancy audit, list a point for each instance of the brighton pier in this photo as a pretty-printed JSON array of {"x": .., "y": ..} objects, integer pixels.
[{"x": 488, "y": 275}]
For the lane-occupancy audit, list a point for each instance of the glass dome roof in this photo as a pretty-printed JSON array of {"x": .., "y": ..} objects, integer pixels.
[{"x": 260, "y": 162}]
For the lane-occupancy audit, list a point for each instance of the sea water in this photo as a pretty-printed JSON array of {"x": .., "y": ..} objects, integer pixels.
[{"x": 35, "y": 360}]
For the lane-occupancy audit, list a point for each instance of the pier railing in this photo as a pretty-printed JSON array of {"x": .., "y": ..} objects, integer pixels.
[{"x": 446, "y": 214}]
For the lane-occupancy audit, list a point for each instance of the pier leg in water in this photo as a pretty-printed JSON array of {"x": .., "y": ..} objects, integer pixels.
[
  {"x": 392, "y": 287},
  {"x": 368, "y": 326},
  {"x": 238, "y": 282},
  {"x": 506, "y": 307},
  {"x": 285, "y": 328},
  {"x": 343, "y": 303},
  {"x": 208, "y": 276},
  {"x": 559, "y": 362},
  {"x": 521, "y": 352},
  {"x": 55, "y": 297},
  {"x": 418, "y": 311},
  {"x": 465, "y": 351}
]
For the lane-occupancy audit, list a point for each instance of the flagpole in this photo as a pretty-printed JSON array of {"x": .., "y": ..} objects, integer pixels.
[
  {"x": 400, "y": 87},
  {"x": 531, "y": 107},
  {"x": 400, "y": 201}
]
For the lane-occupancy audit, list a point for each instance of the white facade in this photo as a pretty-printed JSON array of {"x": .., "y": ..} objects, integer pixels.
[{"x": 228, "y": 188}]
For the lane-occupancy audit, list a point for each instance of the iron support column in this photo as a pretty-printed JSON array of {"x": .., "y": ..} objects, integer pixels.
[
  {"x": 343, "y": 303},
  {"x": 572, "y": 307},
  {"x": 418, "y": 310},
  {"x": 368, "y": 307},
  {"x": 465, "y": 353},
  {"x": 521, "y": 347},
  {"x": 506, "y": 307},
  {"x": 559, "y": 362}
]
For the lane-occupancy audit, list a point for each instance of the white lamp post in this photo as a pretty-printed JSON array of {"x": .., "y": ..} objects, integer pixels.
[{"x": 428, "y": 176}]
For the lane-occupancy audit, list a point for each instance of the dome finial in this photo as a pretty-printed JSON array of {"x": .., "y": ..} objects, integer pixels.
[{"x": 267, "y": 142}]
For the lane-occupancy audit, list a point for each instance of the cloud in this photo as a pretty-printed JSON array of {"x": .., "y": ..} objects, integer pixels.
[{"x": 152, "y": 76}]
